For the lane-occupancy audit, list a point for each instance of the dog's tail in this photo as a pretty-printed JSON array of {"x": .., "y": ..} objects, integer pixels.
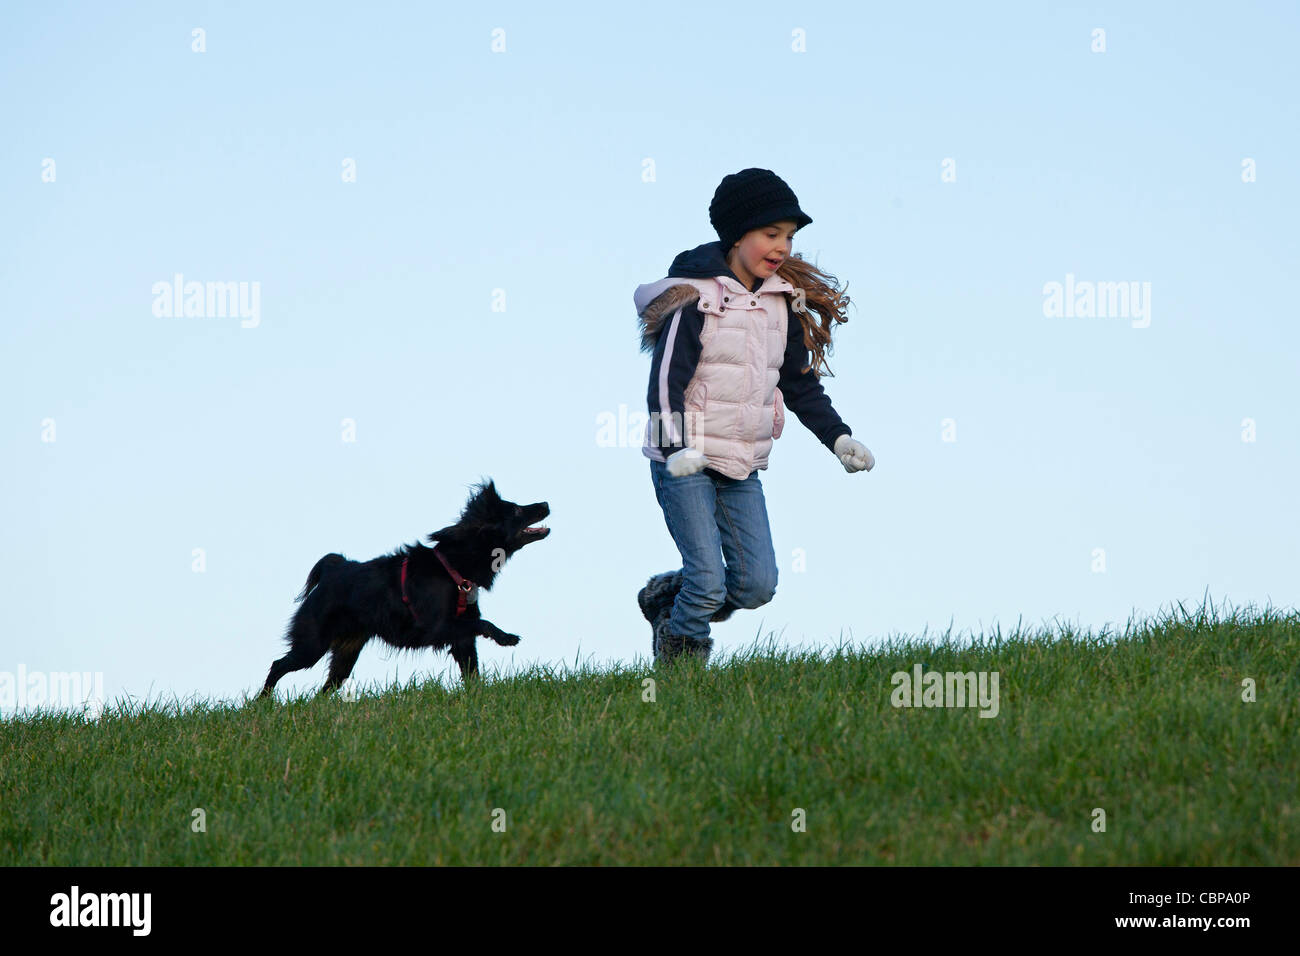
[{"x": 323, "y": 565}]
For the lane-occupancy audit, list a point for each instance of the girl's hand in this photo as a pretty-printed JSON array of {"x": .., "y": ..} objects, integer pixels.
[
  {"x": 854, "y": 455},
  {"x": 688, "y": 461}
]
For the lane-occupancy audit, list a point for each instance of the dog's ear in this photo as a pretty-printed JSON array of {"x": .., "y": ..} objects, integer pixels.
[{"x": 450, "y": 533}]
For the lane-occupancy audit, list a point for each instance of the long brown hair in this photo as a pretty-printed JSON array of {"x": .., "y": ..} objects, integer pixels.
[{"x": 824, "y": 306}]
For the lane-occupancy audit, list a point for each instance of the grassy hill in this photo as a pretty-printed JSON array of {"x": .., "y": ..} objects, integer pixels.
[{"x": 581, "y": 768}]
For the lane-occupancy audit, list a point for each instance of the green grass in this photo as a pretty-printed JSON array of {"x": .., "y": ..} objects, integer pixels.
[{"x": 1148, "y": 724}]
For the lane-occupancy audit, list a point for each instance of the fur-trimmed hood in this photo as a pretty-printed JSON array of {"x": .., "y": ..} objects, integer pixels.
[
  {"x": 663, "y": 298},
  {"x": 656, "y": 300}
]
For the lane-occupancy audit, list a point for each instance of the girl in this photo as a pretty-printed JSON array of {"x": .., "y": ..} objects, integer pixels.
[{"x": 730, "y": 330}]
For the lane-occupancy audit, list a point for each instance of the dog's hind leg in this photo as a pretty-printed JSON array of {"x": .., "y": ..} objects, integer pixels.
[
  {"x": 304, "y": 651},
  {"x": 296, "y": 660},
  {"x": 343, "y": 657}
]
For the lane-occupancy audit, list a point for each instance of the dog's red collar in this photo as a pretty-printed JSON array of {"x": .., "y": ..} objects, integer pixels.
[{"x": 465, "y": 588}]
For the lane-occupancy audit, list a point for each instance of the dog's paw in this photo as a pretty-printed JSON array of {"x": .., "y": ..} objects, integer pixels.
[{"x": 508, "y": 640}]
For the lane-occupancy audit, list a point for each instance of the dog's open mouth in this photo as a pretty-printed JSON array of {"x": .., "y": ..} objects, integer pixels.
[{"x": 533, "y": 532}]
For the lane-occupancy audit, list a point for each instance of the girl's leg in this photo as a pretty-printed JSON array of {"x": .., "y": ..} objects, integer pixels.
[
  {"x": 690, "y": 512},
  {"x": 746, "y": 542}
]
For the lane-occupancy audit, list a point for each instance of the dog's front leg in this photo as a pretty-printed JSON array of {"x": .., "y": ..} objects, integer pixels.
[
  {"x": 490, "y": 630},
  {"x": 466, "y": 655}
]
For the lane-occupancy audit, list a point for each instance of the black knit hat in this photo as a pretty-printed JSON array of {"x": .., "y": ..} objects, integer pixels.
[{"x": 749, "y": 199}]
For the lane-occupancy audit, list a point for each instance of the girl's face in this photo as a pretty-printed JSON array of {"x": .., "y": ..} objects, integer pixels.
[{"x": 761, "y": 251}]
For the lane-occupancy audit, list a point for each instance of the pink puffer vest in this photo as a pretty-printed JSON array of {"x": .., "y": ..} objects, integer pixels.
[{"x": 733, "y": 408}]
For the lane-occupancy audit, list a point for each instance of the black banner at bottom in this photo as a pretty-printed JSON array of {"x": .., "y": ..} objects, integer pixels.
[{"x": 937, "y": 905}]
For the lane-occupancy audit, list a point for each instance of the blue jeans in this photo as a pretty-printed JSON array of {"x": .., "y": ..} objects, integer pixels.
[{"x": 711, "y": 516}]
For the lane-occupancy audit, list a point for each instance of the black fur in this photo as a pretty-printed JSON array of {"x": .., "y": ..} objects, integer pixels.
[{"x": 346, "y": 603}]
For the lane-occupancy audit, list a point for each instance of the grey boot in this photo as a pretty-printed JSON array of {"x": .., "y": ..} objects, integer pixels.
[
  {"x": 668, "y": 646},
  {"x": 656, "y": 601},
  {"x": 724, "y": 612},
  {"x": 699, "y": 647},
  {"x": 659, "y": 591}
]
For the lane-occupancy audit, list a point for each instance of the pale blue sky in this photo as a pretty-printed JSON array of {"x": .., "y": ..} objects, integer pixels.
[{"x": 522, "y": 171}]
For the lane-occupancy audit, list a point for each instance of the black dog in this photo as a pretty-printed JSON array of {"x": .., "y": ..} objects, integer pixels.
[{"x": 414, "y": 597}]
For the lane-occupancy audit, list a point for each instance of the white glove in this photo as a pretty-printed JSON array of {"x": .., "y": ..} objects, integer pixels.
[
  {"x": 854, "y": 455},
  {"x": 688, "y": 461}
]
